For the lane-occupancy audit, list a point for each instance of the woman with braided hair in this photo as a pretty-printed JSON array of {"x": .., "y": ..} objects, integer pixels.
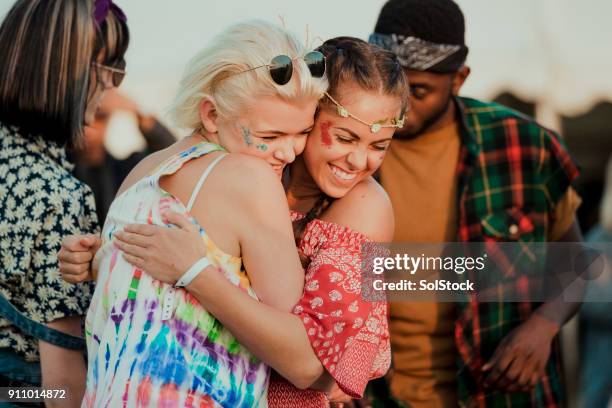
[{"x": 337, "y": 340}]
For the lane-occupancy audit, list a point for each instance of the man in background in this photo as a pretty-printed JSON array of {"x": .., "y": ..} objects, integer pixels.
[{"x": 470, "y": 171}]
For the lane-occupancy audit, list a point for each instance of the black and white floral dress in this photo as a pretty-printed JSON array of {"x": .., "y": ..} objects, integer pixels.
[{"x": 40, "y": 203}]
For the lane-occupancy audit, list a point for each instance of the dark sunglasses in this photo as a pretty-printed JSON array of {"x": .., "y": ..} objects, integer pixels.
[
  {"x": 281, "y": 66},
  {"x": 117, "y": 73}
]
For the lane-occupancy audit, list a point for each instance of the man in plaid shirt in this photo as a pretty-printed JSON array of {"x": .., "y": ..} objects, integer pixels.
[{"x": 470, "y": 171}]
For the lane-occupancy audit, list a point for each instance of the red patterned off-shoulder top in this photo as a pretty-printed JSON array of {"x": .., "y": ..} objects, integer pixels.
[{"x": 349, "y": 334}]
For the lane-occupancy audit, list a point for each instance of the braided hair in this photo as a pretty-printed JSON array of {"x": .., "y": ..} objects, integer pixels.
[{"x": 319, "y": 207}]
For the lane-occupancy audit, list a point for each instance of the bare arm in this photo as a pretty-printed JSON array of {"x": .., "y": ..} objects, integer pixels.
[
  {"x": 280, "y": 338},
  {"x": 63, "y": 369},
  {"x": 262, "y": 223},
  {"x": 248, "y": 199},
  {"x": 276, "y": 337}
]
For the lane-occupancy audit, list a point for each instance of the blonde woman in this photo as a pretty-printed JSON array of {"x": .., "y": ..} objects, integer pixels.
[{"x": 153, "y": 344}]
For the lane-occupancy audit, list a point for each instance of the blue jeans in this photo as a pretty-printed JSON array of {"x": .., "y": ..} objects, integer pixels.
[{"x": 15, "y": 368}]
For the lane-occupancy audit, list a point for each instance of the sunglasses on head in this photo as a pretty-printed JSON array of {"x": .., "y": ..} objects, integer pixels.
[
  {"x": 281, "y": 66},
  {"x": 116, "y": 73}
]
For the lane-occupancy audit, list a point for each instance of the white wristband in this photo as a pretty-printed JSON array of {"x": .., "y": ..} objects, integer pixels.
[{"x": 192, "y": 272}]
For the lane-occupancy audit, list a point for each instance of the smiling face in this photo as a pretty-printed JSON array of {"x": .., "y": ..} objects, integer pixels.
[
  {"x": 272, "y": 129},
  {"x": 340, "y": 152}
]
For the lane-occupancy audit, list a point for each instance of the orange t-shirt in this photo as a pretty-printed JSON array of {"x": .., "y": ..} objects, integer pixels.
[{"x": 420, "y": 177}]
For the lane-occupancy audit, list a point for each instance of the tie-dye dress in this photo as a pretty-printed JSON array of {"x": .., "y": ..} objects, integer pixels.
[{"x": 150, "y": 345}]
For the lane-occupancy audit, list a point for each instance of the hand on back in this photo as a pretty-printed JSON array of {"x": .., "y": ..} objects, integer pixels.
[{"x": 154, "y": 249}]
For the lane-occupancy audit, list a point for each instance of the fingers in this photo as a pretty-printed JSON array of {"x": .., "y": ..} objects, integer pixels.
[
  {"x": 538, "y": 371},
  {"x": 75, "y": 273},
  {"x": 524, "y": 380},
  {"x": 535, "y": 378},
  {"x": 142, "y": 229},
  {"x": 84, "y": 277},
  {"x": 494, "y": 379},
  {"x": 520, "y": 375},
  {"x": 89, "y": 241},
  {"x": 71, "y": 257},
  {"x": 73, "y": 268},
  {"x": 177, "y": 219},
  {"x": 77, "y": 243},
  {"x": 510, "y": 380},
  {"x": 132, "y": 239},
  {"x": 501, "y": 365},
  {"x": 133, "y": 250},
  {"x": 135, "y": 261}
]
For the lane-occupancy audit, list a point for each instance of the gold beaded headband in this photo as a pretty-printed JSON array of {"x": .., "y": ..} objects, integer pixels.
[{"x": 375, "y": 127}]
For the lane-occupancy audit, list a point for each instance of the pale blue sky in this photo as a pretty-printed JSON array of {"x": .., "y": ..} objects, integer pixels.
[{"x": 553, "y": 50}]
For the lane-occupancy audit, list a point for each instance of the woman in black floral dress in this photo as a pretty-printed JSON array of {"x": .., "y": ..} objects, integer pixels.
[{"x": 56, "y": 60}]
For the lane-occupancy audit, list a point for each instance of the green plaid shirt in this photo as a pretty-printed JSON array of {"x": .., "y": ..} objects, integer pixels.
[{"x": 511, "y": 174}]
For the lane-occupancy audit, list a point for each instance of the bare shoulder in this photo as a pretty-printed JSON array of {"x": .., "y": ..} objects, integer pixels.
[
  {"x": 367, "y": 209},
  {"x": 248, "y": 176},
  {"x": 240, "y": 162},
  {"x": 147, "y": 165},
  {"x": 253, "y": 194},
  {"x": 144, "y": 167}
]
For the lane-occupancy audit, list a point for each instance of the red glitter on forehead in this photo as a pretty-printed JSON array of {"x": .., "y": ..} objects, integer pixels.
[{"x": 325, "y": 137}]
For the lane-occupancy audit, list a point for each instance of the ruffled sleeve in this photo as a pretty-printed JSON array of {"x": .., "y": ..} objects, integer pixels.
[{"x": 349, "y": 334}]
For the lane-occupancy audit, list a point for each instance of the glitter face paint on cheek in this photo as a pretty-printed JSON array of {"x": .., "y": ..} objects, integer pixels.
[
  {"x": 262, "y": 147},
  {"x": 246, "y": 136},
  {"x": 325, "y": 136}
]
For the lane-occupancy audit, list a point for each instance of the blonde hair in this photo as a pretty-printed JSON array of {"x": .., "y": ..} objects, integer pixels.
[{"x": 216, "y": 72}]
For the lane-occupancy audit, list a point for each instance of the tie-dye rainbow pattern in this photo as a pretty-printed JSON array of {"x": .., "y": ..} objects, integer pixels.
[{"x": 136, "y": 359}]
